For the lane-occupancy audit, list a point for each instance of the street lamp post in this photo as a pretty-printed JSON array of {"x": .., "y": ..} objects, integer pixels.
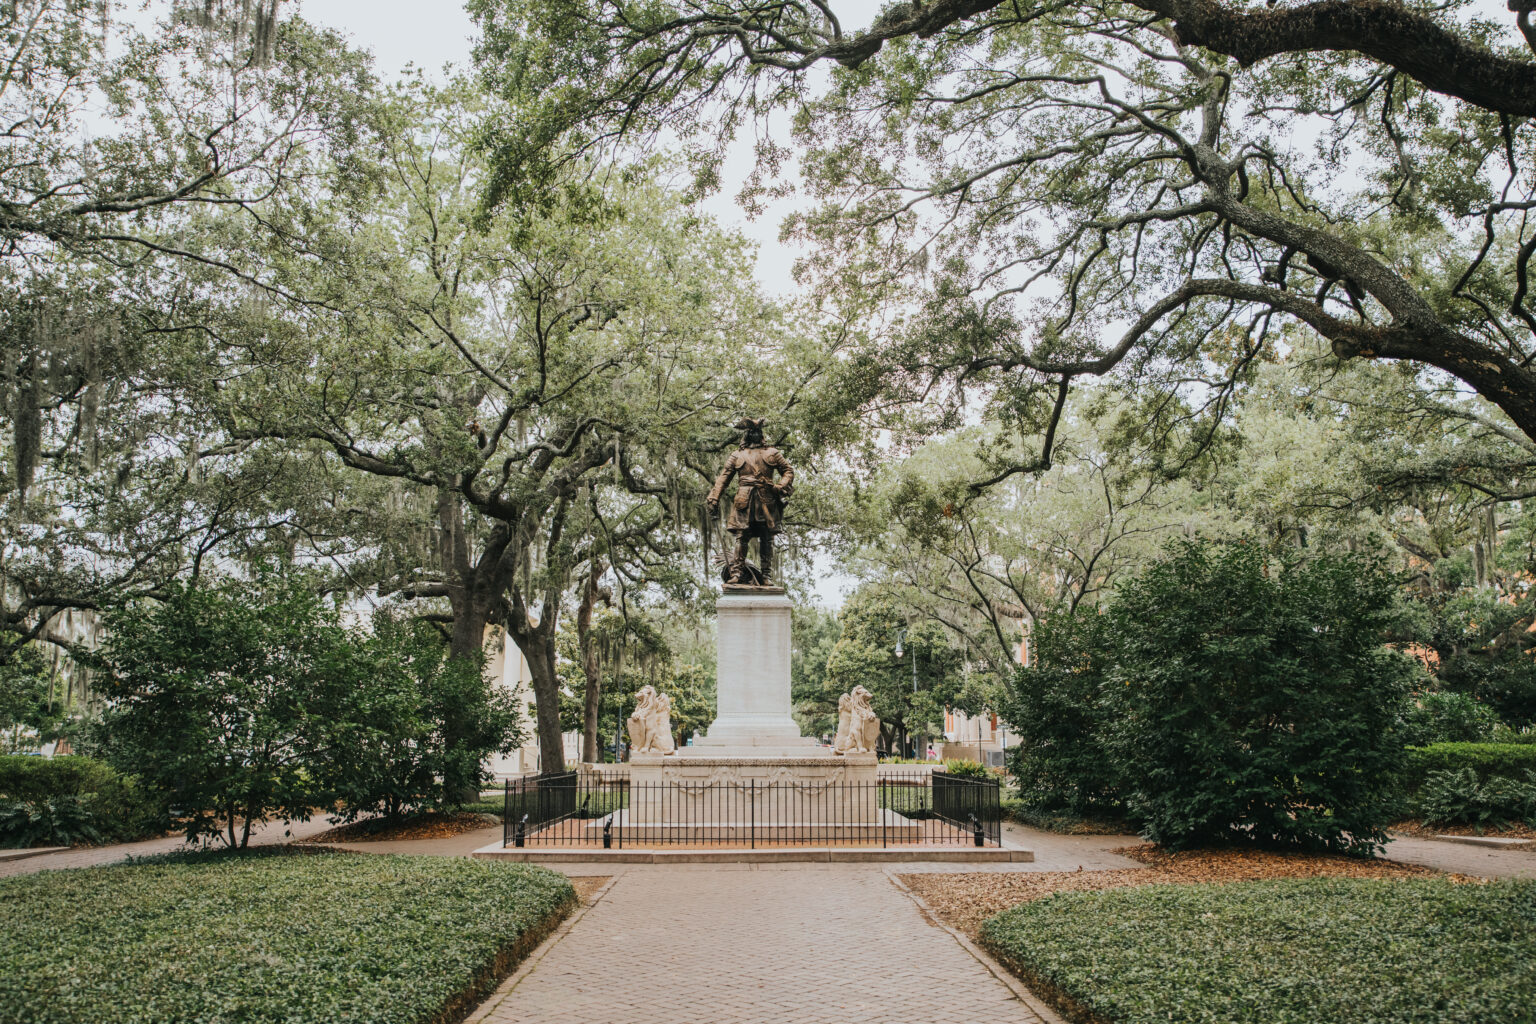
[{"x": 901, "y": 634}]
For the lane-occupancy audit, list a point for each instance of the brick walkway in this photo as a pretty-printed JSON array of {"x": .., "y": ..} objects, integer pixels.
[{"x": 732, "y": 944}]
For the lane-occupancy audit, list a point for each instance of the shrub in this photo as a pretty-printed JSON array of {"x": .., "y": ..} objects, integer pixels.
[
  {"x": 1283, "y": 952},
  {"x": 1503, "y": 733},
  {"x": 1437, "y": 717},
  {"x": 966, "y": 769},
  {"x": 388, "y": 745},
  {"x": 1487, "y": 760},
  {"x": 57, "y": 801},
  {"x": 1222, "y": 697},
  {"x": 51, "y": 821},
  {"x": 211, "y": 693},
  {"x": 1058, "y": 713},
  {"x": 261, "y": 938},
  {"x": 1256, "y": 699},
  {"x": 1459, "y": 797}
]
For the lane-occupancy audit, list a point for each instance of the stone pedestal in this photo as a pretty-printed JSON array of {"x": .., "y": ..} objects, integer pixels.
[
  {"x": 821, "y": 789},
  {"x": 752, "y": 680}
]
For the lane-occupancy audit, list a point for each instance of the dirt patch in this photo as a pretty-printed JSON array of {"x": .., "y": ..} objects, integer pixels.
[
  {"x": 431, "y": 825},
  {"x": 1419, "y": 830},
  {"x": 965, "y": 900}
]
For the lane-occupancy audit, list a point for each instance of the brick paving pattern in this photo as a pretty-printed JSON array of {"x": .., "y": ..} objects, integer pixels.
[{"x": 726, "y": 945}]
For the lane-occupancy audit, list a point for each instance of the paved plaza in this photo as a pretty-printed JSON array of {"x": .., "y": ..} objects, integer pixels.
[{"x": 776, "y": 944}]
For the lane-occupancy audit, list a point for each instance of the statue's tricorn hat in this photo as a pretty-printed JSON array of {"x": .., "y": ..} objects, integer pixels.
[{"x": 748, "y": 423}]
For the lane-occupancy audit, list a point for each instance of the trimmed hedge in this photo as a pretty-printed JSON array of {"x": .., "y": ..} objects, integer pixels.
[
  {"x": 29, "y": 779},
  {"x": 1505, "y": 760},
  {"x": 267, "y": 937},
  {"x": 1297, "y": 951},
  {"x": 69, "y": 798}
]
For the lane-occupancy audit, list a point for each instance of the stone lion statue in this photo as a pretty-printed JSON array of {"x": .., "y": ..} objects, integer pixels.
[
  {"x": 650, "y": 726},
  {"x": 858, "y": 727}
]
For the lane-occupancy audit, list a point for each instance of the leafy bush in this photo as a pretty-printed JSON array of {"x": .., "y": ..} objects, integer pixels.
[
  {"x": 246, "y": 703},
  {"x": 1503, "y": 733},
  {"x": 1459, "y": 797},
  {"x": 1487, "y": 760},
  {"x": 51, "y": 821},
  {"x": 1222, "y": 696},
  {"x": 1286, "y": 952},
  {"x": 1437, "y": 717},
  {"x": 413, "y": 727},
  {"x": 210, "y": 696},
  {"x": 968, "y": 769},
  {"x": 1058, "y": 712},
  {"x": 216, "y": 939},
  {"x": 57, "y": 801}
]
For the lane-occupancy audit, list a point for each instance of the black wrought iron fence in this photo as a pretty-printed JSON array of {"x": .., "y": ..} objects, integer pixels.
[{"x": 613, "y": 812}]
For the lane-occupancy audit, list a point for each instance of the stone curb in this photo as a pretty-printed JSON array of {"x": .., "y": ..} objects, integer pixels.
[
  {"x": 499, "y": 995},
  {"x": 1496, "y": 842},
  {"x": 1036, "y": 1005},
  {"x": 36, "y": 851},
  {"x": 1005, "y": 854}
]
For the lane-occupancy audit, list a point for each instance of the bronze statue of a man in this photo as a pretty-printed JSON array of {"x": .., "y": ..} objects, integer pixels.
[{"x": 757, "y": 509}]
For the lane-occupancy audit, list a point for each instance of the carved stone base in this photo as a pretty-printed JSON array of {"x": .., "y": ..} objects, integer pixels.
[{"x": 719, "y": 790}]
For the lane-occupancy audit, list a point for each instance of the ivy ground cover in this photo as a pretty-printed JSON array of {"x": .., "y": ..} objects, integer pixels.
[
  {"x": 268, "y": 937},
  {"x": 1365, "y": 951}
]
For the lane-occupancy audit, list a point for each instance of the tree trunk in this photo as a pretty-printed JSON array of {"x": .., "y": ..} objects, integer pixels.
[
  {"x": 590, "y": 595},
  {"x": 540, "y": 655}
]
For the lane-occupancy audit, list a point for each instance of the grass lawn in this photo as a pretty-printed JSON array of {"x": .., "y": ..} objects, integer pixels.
[
  {"x": 268, "y": 937},
  {"x": 1300, "y": 951}
]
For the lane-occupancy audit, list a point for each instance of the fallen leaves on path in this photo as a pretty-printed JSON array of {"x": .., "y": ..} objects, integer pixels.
[
  {"x": 587, "y": 886},
  {"x": 1419, "y": 830},
  {"x": 965, "y": 900},
  {"x": 431, "y": 825}
]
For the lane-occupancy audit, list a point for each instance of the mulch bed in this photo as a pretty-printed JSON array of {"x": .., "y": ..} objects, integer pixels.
[
  {"x": 965, "y": 900},
  {"x": 587, "y": 885},
  {"x": 429, "y": 825},
  {"x": 1419, "y": 830}
]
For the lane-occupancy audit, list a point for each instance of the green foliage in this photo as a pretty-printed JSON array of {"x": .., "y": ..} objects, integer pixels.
[
  {"x": 865, "y": 655},
  {"x": 30, "y": 713},
  {"x": 1440, "y": 717},
  {"x": 217, "y": 698},
  {"x": 413, "y": 728},
  {"x": 1487, "y": 760},
  {"x": 254, "y": 937},
  {"x": 968, "y": 769},
  {"x": 52, "y": 821},
  {"x": 1059, "y": 713},
  {"x": 1222, "y": 697},
  {"x": 63, "y": 800},
  {"x": 1460, "y": 797},
  {"x": 1285, "y": 952},
  {"x": 1481, "y": 644},
  {"x": 813, "y": 632}
]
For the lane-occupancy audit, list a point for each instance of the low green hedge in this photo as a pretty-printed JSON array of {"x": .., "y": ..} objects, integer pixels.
[
  {"x": 268, "y": 937},
  {"x": 1300, "y": 951},
  {"x": 47, "y": 801},
  {"x": 1505, "y": 760}
]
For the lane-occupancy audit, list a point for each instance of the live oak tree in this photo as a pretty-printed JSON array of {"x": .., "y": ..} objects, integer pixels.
[
  {"x": 987, "y": 564},
  {"x": 1147, "y": 190},
  {"x": 512, "y": 396},
  {"x": 128, "y": 148}
]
